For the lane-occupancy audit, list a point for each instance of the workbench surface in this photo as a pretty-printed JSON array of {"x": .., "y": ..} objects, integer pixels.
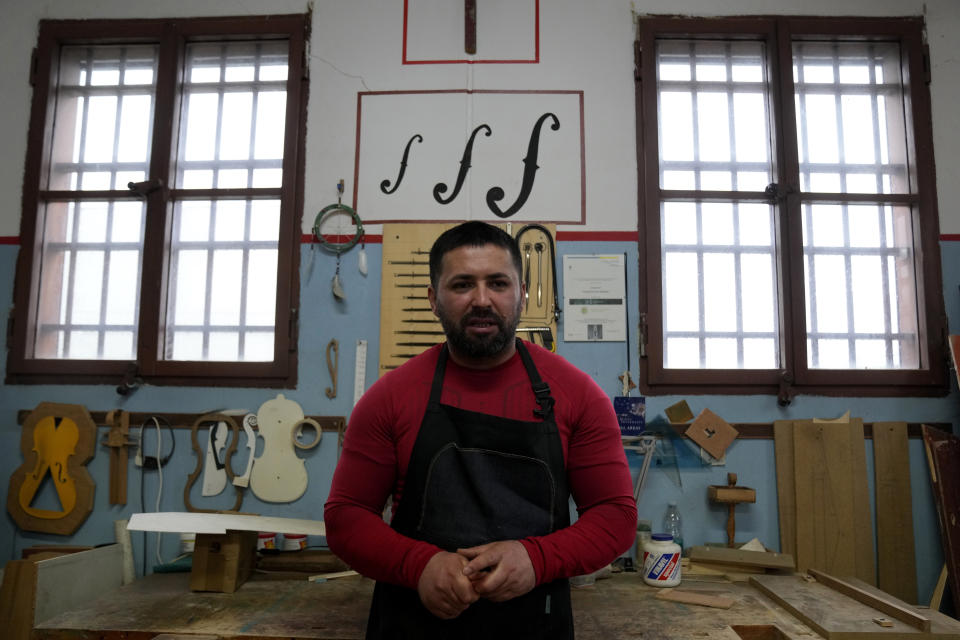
[{"x": 621, "y": 606}]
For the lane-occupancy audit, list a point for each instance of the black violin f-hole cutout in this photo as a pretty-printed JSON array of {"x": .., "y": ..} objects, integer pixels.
[
  {"x": 385, "y": 184},
  {"x": 495, "y": 194},
  {"x": 440, "y": 188}
]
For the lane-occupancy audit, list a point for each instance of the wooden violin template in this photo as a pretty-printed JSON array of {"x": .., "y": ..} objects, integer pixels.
[
  {"x": 57, "y": 440},
  {"x": 279, "y": 475}
]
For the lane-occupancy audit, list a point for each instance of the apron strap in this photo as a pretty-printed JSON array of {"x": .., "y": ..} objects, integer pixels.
[
  {"x": 540, "y": 388},
  {"x": 436, "y": 389}
]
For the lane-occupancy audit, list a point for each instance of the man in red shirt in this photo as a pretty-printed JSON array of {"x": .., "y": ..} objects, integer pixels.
[{"x": 481, "y": 442}]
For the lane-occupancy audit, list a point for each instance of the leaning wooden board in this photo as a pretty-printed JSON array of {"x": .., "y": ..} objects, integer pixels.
[
  {"x": 786, "y": 489},
  {"x": 896, "y": 561},
  {"x": 839, "y": 617},
  {"x": 943, "y": 459}
]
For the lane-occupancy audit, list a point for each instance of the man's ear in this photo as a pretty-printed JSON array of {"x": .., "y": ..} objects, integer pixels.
[{"x": 432, "y": 297}]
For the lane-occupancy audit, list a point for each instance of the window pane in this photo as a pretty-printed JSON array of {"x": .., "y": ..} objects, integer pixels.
[
  {"x": 102, "y": 123},
  {"x": 223, "y": 280},
  {"x": 233, "y": 115},
  {"x": 850, "y": 109},
  {"x": 719, "y": 286},
  {"x": 861, "y": 287},
  {"x": 713, "y": 115},
  {"x": 89, "y": 285}
]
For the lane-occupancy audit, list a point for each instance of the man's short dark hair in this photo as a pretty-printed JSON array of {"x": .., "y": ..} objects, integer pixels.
[{"x": 471, "y": 234}]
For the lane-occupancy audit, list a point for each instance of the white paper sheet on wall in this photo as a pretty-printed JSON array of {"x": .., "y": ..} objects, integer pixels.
[{"x": 594, "y": 296}]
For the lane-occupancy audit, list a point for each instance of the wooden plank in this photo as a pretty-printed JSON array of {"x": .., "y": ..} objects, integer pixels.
[
  {"x": 943, "y": 459},
  {"x": 889, "y": 605},
  {"x": 692, "y": 597},
  {"x": 723, "y": 555},
  {"x": 838, "y": 617},
  {"x": 863, "y": 540},
  {"x": 824, "y": 498},
  {"x": 786, "y": 485},
  {"x": 896, "y": 562},
  {"x": 936, "y": 598},
  {"x": 17, "y": 599}
]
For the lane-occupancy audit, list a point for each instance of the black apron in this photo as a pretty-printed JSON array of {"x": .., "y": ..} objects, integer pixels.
[{"x": 474, "y": 478}]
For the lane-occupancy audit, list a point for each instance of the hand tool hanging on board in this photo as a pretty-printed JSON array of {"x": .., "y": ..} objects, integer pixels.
[
  {"x": 332, "y": 365},
  {"x": 552, "y": 257},
  {"x": 118, "y": 440},
  {"x": 338, "y": 248}
]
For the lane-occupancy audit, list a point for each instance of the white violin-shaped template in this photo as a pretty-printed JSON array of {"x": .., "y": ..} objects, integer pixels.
[{"x": 278, "y": 474}]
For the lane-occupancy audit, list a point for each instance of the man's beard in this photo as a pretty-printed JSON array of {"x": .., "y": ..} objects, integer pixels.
[{"x": 483, "y": 346}]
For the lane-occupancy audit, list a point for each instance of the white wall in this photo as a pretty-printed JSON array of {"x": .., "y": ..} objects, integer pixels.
[{"x": 356, "y": 46}]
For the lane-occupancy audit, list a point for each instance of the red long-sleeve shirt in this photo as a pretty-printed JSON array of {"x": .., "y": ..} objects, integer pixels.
[{"x": 380, "y": 439}]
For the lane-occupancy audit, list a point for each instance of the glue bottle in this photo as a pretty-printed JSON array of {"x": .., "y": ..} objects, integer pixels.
[{"x": 661, "y": 563}]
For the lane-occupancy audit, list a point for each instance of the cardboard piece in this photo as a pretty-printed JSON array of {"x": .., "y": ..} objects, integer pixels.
[
  {"x": 223, "y": 562},
  {"x": 711, "y": 432},
  {"x": 679, "y": 413}
]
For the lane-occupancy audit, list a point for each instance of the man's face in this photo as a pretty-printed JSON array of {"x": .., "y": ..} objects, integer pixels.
[{"x": 478, "y": 300}]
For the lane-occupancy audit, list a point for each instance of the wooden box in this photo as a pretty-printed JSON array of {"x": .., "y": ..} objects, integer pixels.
[{"x": 223, "y": 561}]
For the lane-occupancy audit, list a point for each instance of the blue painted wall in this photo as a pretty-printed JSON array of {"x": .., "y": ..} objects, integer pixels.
[{"x": 322, "y": 318}]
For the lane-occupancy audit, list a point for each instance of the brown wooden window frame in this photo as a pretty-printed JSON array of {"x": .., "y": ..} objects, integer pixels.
[
  {"x": 171, "y": 37},
  {"x": 778, "y": 33}
]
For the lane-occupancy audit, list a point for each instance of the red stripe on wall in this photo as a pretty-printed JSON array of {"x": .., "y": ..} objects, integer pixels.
[
  {"x": 950, "y": 237},
  {"x": 9, "y": 239},
  {"x": 598, "y": 236}
]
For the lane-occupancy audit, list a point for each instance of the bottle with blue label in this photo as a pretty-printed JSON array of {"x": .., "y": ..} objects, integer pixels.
[{"x": 661, "y": 561}]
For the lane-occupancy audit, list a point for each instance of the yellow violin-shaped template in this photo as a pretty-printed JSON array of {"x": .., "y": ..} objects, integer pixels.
[
  {"x": 54, "y": 441},
  {"x": 57, "y": 440}
]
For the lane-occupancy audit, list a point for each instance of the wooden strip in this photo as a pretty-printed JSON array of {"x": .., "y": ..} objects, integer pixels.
[
  {"x": 691, "y": 597},
  {"x": 723, "y": 555},
  {"x": 182, "y": 420},
  {"x": 888, "y": 606},
  {"x": 825, "y": 510},
  {"x": 17, "y": 599},
  {"x": 746, "y": 430},
  {"x": 863, "y": 540},
  {"x": 936, "y": 598},
  {"x": 321, "y": 577},
  {"x": 786, "y": 485},
  {"x": 896, "y": 563}
]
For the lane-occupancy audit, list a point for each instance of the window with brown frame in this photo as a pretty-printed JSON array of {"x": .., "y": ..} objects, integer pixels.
[
  {"x": 162, "y": 197},
  {"x": 789, "y": 227}
]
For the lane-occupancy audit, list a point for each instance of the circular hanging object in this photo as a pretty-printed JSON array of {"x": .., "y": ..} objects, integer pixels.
[{"x": 330, "y": 211}]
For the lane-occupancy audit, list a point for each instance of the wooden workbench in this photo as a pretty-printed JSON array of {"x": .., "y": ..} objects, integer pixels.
[{"x": 618, "y": 607}]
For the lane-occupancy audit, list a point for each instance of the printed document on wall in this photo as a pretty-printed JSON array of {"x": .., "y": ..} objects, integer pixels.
[{"x": 594, "y": 295}]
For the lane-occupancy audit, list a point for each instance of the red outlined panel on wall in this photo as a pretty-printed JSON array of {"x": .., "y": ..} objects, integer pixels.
[
  {"x": 507, "y": 32},
  {"x": 497, "y": 156}
]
